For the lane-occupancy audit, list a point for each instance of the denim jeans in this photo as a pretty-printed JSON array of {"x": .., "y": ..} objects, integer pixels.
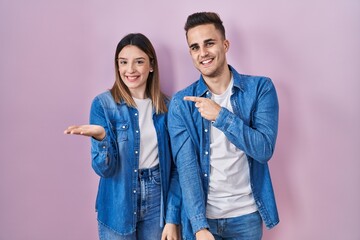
[
  {"x": 247, "y": 227},
  {"x": 148, "y": 212}
]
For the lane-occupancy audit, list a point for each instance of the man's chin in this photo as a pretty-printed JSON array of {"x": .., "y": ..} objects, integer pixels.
[{"x": 207, "y": 72}]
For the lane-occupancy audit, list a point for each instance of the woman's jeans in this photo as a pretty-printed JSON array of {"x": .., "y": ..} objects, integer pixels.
[
  {"x": 247, "y": 227},
  {"x": 148, "y": 212}
]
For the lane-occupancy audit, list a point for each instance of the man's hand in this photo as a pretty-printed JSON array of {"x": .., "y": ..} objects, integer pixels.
[
  {"x": 207, "y": 107},
  {"x": 95, "y": 131},
  {"x": 204, "y": 234},
  {"x": 170, "y": 232}
]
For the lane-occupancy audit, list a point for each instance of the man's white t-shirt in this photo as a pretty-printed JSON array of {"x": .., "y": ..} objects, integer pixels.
[{"x": 229, "y": 193}]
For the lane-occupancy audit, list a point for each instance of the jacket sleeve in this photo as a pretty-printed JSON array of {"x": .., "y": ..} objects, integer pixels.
[
  {"x": 186, "y": 160},
  {"x": 173, "y": 212},
  {"x": 258, "y": 139},
  {"x": 103, "y": 153}
]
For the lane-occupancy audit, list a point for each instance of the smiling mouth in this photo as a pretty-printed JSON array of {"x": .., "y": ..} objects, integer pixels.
[
  {"x": 207, "y": 61},
  {"x": 131, "y": 78}
]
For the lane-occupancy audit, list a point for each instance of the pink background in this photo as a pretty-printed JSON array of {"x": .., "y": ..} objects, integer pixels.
[{"x": 57, "y": 55}]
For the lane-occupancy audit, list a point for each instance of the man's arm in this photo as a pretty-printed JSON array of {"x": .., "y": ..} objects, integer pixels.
[
  {"x": 186, "y": 159},
  {"x": 257, "y": 140}
]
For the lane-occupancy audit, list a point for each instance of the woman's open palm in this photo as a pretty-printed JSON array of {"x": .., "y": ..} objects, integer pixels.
[{"x": 95, "y": 131}]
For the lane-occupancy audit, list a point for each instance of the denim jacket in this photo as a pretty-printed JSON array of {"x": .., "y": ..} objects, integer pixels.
[
  {"x": 116, "y": 160},
  {"x": 252, "y": 128}
]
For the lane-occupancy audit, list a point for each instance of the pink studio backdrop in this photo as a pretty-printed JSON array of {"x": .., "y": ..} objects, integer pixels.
[{"x": 57, "y": 55}]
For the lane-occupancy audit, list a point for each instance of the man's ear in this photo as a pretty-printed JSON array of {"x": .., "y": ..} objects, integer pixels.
[{"x": 226, "y": 45}]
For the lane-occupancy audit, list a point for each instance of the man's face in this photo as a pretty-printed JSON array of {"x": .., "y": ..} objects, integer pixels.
[{"x": 207, "y": 49}]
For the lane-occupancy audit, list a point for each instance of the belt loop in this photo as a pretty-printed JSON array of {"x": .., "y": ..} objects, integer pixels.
[{"x": 147, "y": 172}]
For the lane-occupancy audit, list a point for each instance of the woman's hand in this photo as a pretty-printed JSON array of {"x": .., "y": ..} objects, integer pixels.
[{"x": 95, "y": 131}]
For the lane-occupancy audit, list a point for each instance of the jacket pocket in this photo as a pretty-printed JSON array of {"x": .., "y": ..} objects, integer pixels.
[{"x": 122, "y": 132}]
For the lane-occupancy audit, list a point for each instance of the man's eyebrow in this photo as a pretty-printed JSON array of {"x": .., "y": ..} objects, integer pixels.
[
  {"x": 193, "y": 45},
  {"x": 209, "y": 40},
  {"x": 205, "y": 41}
]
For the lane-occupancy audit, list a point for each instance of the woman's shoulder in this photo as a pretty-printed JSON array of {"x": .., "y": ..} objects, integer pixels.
[
  {"x": 106, "y": 95},
  {"x": 105, "y": 99}
]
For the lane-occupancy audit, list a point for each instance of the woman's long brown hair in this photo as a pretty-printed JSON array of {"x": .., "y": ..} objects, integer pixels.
[{"x": 121, "y": 92}]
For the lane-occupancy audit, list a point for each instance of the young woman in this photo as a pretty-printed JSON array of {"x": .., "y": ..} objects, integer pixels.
[{"x": 130, "y": 149}]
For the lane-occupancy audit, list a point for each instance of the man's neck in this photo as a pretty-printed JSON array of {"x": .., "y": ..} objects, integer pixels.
[{"x": 219, "y": 84}]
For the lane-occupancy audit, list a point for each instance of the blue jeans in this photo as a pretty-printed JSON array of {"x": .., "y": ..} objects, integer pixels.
[
  {"x": 148, "y": 211},
  {"x": 247, "y": 227}
]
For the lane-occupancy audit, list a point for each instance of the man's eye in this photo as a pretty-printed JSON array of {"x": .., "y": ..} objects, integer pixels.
[{"x": 195, "y": 48}]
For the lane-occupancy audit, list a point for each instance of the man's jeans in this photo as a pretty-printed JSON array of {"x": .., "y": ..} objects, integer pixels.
[
  {"x": 247, "y": 227},
  {"x": 148, "y": 214}
]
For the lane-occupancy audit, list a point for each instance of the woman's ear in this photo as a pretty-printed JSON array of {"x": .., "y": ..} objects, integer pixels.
[{"x": 151, "y": 65}]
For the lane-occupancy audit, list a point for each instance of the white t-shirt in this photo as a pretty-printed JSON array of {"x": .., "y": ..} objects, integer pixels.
[
  {"x": 149, "y": 156},
  {"x": 229, "y": 193}
]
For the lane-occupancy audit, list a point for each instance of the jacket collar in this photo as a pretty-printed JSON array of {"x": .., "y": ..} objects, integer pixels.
[{"x": 202, "y": 88}]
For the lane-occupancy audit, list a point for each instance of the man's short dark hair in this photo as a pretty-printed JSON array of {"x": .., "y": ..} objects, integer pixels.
[{"x": 201, "y": 18}]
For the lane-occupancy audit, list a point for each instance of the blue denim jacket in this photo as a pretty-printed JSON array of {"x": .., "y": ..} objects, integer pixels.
[
  {"x": 116, "y": 160},
  {"x": 252, "y": 128}
]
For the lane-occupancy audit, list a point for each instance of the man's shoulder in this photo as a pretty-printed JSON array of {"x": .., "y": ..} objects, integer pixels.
[
  {"x": 251, "y": 78},
  {"x": 246, "y": 81},
  {"x": 177, "y": 100},
  {"x": 243, "y": 80},
  {"x": 187, "y": 91}
]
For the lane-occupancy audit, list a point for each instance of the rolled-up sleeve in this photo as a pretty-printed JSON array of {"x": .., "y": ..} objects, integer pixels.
[{"x": 103, "y": 153}]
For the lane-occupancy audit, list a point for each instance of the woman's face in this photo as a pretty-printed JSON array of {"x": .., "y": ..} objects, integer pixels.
[{"x": 134, "y": 69}]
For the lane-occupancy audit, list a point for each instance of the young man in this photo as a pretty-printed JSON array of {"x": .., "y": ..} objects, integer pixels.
[{"x": 223, "y": 130}]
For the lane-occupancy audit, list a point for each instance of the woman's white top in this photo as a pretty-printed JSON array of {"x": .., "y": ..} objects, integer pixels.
[{"x": 148, "y": 140}]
